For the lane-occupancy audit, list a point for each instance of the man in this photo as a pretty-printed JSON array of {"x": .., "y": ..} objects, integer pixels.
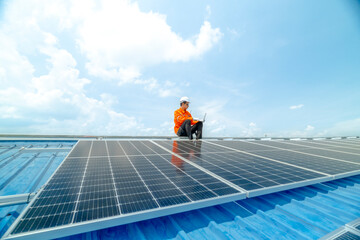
[{"x": 184, "y": 122}]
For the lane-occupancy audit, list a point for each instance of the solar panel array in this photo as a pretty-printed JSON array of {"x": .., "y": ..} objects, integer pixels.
[
  {"x": 246, "y": 171},
  {"x": 117, "y": 182},
  {"x": 102, "y": 179}
]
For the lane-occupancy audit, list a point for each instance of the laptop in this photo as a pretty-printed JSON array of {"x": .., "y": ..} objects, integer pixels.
[{"x": 200, "y": 120}]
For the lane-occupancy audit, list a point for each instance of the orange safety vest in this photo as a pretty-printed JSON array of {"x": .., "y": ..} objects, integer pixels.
[{"x": 180, "y": 116}]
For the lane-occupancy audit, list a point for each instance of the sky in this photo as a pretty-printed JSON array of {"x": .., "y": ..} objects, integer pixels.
[{"x": 257, "y": 68}]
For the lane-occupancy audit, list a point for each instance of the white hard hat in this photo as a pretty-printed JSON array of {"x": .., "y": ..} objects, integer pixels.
[{"x": 184, "y": 99}]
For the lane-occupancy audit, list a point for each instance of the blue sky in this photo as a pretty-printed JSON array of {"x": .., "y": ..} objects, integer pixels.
[{"x": 280, "y": 68}]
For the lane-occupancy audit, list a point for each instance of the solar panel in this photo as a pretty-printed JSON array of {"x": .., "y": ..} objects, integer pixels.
[
  {"x": 331, "y": 145},
  {"x": 348, "y": 236},
  {"x": 116, "y": 182},
  {"x": 107, "y": 183},
  {"x": 314, "y": 151},
  {"x": 348, "y": 154},
  {"x": 348, "y": 141},
  {"x": 286, "y": 153},
  {"x": 250, "y": 172}
]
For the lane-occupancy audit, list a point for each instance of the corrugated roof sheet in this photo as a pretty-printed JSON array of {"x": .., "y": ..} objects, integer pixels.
[{"x": 303, "y": 213}]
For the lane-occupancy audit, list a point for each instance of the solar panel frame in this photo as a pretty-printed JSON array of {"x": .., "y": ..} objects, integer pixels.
[{"x": 91, "y": 225}]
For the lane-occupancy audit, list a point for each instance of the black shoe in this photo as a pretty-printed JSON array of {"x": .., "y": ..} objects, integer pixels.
[{"x": 198, "y": 135}]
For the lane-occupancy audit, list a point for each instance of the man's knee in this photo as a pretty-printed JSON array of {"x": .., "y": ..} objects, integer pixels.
[{"x": 187, "y": 121}]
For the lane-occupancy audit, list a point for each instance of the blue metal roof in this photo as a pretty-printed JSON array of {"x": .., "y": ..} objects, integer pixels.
[{"x": 303, "y": 213}]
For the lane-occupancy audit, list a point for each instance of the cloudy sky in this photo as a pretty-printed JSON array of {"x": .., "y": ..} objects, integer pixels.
[{"x": 280, "y": 68}]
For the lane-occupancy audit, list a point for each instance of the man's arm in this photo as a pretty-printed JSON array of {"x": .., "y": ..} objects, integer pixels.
[{"x": 180, "y": 118}]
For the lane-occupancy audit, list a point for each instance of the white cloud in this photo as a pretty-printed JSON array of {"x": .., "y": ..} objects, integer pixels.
[
  {"x": 309, "y": 128},
  {"x": 296, "y": 107},
  {"x": 41, "y": 84},
  {"x": 165, "y": 90},
  {"x": 221, "y": 123},
  {"x": 343, "y": 128},
  {"x": 118, "y": 39},
  {"x": 13, "y": 65},
  {"x": 55, "y": 102},
  {"x": 252, "y": 130}
]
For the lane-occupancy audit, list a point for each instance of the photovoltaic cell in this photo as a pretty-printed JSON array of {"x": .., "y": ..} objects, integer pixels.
[
  {"x": 346, "y": 154},
  {"x": 191, "y": 147},
  {"x": 107, "y": 179},
  {"x": 320, "y": 164},
  {"x": 81, "y": 150},
  {"x": 246, "y": 171},
  {"x": 114, "y": 149},
  {"x": 348, "y": 236},
  {"x": 111, "y": 180},
  {"x": 244, "y": 146},
  {"x": 330, "y": 145}
]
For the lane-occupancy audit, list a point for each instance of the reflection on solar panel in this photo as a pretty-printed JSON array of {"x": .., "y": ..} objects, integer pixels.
[
  {"x": 115, "y": 181},
  {"x": 107, "y": 183}
]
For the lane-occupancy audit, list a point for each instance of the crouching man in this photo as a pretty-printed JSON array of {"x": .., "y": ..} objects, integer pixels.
[{"x": 184, "y": 122}]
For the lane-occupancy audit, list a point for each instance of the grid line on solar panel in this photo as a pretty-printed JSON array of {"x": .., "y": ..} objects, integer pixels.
[
  {"x": 128, "y": 148},
  {"x": 112, "y": 177},
  {"x": 92, "y": 197},
  {"x": 95, "y": 187},
  {"x": 247, "y": 146},
  {"x": 328, "y": 144},
  {"x": 82, "y": 181},
  {"x": 350, "y": 155},
  {"x": 345, "y": 143},
  {"x": 264, "y": 178},
  {"x": 308, "y": 145},
  {"x": 135, "y": 155},
  {"x": 163, "y": 166},
  {"x": 81, "y": 148},
  {"x": 236, "y": 178},
  {"x": 151, "y": 175},
  {"x": 195, "y": 149},
  {"x": 344, "y": 157},
  {"x": 114, "y": 149},
  {"x": 306, "y": 161},
  {"x": 98, "y": 149},
  {"x": 154, "y": 148},
  {"x": 214, "y": 177},
  {"x": 148, "y": 204}
]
